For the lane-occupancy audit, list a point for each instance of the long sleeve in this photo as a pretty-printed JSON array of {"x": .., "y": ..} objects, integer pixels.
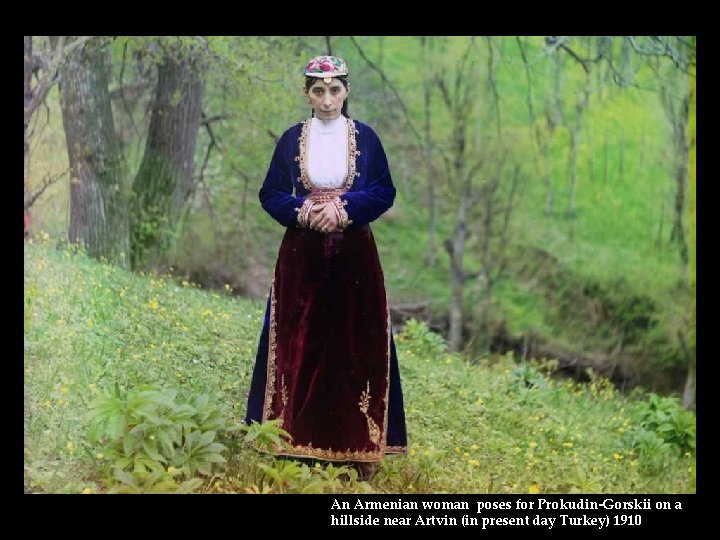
[
  {"x": 378, "y": 192},
  {"x": 276, "y": 192}
]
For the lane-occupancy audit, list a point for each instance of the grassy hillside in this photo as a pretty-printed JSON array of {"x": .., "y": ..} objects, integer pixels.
[{"x": 498, "y": 427}]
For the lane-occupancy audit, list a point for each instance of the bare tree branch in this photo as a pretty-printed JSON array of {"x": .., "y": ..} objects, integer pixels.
[
  {"x": 46, "y": 183},
  {"x": 51, "y": 66},
  {"x": 406, "y": 114}
]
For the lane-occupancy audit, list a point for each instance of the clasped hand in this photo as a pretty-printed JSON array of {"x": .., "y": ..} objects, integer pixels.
[{"x": 323, "y": 217}]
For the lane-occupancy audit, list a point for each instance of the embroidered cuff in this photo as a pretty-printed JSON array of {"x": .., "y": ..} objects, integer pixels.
[
  {"x": 303, "y": 212},
  {"x": 343, "y": 220}
]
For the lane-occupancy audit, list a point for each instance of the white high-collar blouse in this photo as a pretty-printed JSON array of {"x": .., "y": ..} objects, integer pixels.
[{"x": 327, "y": 152}]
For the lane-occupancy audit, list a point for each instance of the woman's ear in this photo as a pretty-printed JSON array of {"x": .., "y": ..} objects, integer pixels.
[{"x": 348, "y": 90}]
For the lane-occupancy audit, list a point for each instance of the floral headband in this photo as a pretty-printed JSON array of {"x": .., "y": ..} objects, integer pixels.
[{"x": 326, "y": 67}]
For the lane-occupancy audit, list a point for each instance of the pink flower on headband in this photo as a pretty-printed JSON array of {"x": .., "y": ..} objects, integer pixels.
[{"x": 330, "y": 65}]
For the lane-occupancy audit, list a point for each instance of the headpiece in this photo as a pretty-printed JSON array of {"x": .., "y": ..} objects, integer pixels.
[{"x": 326, "y": 67}]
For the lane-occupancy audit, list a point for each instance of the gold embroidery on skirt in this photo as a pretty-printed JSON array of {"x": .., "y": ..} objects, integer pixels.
[
  {"x": 270, "y": 384},
  {"x": 284, "y": 396},
  {"x": 373, "y": 429}
]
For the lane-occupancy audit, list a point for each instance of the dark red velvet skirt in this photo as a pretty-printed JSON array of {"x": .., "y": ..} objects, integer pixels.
[{"x": 329, "y": 350}]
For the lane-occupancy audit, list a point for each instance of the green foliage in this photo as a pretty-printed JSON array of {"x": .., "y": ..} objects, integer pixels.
[
  {"x": 155, "y": 482},
  {"x": 289, "y": 476},
  {"x": 147, "y": 430},
  {"x": 526, "y": 377},
  {"x": 30, "y": 293},
  {"x": 422, "y": 341},
  {"x": 266, "y": 435},
  {"x": 654, "y": 454},
  {"x": 669, "y": 421}
]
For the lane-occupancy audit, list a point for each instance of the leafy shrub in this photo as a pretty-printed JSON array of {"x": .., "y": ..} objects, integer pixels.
[
  {"x": 665, "y": 417},
  {"x": 421, "y": 340},
  {"x": 151, "y": 433},
  {"x": 525, "y": 377}
]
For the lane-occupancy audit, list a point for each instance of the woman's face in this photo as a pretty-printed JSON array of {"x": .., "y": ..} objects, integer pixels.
[{"x": 327, "y": 99}]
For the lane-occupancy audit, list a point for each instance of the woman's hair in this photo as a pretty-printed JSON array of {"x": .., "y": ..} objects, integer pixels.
[{"x": 309, "y": 81}]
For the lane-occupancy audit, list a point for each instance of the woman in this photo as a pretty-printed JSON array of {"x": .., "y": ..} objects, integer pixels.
[{"x": 326, "y": 364}]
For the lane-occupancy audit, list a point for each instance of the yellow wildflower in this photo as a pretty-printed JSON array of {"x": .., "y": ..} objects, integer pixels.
[{"x": 534, "y": 489}]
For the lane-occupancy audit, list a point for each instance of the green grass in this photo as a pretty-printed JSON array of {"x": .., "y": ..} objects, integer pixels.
[{"x": 472, "y": 428}]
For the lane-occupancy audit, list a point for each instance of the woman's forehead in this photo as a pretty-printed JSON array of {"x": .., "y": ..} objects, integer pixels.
[{"x": 322, "y": 84}]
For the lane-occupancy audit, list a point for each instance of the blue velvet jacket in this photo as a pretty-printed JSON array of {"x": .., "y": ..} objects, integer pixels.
[{"x": 368, "y": 188}]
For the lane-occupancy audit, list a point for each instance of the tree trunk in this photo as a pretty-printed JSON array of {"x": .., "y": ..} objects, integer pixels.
[
  {"x": 681, "y": 164},
  {"x": 431, "y": 176},
  {"x": 689, "y": 390},
  {"x": 690, "y": 400},
  {"x": 98, "y": 210},
  {"x": 678, "y": 114},
  {"x": 626, "y": 67},
  {"x": 461, "y": 110},
  {"x": 572, "y": 173},
  {"x": 575, "y": 129},
  {"x": 164, "y": 181},
  {"x": 554, "y": 116},
  {"x": 28, "y": 63},
  {"x": 458, "y": 276}
]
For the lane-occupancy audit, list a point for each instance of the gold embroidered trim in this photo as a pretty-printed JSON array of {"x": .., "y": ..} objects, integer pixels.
[
  {"x": 302, "y": 156},
  {"x": 396, "y": 450},
  {"x": 373, "y": 429},
  {"x": 284, "y": 397},
  {"x": 388, "y": 331},
  {"x": 304, "y": 148},
  {"x": 330, "y": 455},
  {"x": 321, "y": 195},
  {"x": 342, "y": 214},
  {"x": 270, "y": 383},
  {"x": 353, "y": 152},
  {"x": 304, "y": 212}
]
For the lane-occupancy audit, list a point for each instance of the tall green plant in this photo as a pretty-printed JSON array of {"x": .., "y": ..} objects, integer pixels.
[{"x": 148, "y": 432}]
